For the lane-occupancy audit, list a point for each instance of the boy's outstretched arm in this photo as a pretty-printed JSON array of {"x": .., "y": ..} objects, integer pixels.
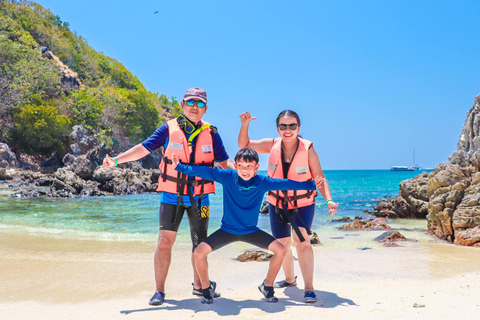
[{"x": 198, "y": 171}]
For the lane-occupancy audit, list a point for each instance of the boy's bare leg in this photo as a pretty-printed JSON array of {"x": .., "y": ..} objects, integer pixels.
[
  {"x": 196, "y": 278},
  {"x": 287, "y": 265},
  {"x": 279, "y": 251},
  {"x": 201, "y": 264}
]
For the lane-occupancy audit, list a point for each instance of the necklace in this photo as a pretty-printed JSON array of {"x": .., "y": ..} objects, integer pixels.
[{"x": 288, "y": 156}]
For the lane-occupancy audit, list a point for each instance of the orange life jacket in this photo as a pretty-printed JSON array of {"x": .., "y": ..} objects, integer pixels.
[
  {"x": 176, "y": 182},
  {"x": 299, "y": 171}
]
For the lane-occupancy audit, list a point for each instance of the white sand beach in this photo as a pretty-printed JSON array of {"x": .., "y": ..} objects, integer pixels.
[{"x": 45, "y": 277}]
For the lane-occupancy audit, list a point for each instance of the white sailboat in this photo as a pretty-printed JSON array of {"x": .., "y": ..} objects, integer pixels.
[{"x": 414, "y": 167}]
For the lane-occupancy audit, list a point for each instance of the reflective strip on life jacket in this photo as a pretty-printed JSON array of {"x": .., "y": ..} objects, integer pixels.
[
  {"x": 176, "y": 182},
  {"x": 299, "y": 171}
]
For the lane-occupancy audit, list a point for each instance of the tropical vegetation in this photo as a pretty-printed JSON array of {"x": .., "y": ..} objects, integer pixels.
[{"x": 52, "y": 80}]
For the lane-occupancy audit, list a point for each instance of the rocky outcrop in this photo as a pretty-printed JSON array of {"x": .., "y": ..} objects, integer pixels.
[
  {"x": 390, "y": 238},
  {"x": 466, "y": 217},
  {"x": 69, "y": 77},
  {"x": 366, "y": 224},
  {"x": 254, "y": 255},
  {"x": 449, "y": 197},
  {"x": 80, "y": 141},
  {"x": 81, "y": 173},
  {"x": 395, "y": 207},
  {"x": 7, "y": 157}
]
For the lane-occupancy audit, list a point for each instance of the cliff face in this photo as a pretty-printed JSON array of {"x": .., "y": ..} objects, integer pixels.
[{"x": 449, "y": 197}]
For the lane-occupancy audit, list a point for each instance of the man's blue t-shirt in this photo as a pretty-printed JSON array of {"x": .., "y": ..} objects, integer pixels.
[
  {"x": 242, "y": 199},
  {"x": 160, "y": 138}
]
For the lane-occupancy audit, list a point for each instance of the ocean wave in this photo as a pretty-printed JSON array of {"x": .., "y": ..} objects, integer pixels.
[{"x": 78, "y": 234}]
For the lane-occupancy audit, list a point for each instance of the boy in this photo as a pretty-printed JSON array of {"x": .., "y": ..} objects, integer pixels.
[{"x": 243, "y": 192}]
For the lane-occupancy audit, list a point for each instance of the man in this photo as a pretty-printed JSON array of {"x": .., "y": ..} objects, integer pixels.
[{"x": 193, "y": 141}]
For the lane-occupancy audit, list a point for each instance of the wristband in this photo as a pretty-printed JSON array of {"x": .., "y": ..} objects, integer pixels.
[
  {"x": 116, "y": 161},
  {"x": 329, "y": 201}
]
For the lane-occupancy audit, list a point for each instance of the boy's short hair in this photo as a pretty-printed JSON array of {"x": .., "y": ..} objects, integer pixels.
[{"x": 247, "y": 155}]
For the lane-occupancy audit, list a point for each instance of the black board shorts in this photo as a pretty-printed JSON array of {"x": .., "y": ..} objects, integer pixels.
[
  {"x": 221, "y": 238},
  {"x": 170, "y": 218}
]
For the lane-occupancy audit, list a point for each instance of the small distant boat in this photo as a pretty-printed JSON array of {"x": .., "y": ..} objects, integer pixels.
[
  {"x": 405, "y": 168},
  {"x": 402, "y": 168}
]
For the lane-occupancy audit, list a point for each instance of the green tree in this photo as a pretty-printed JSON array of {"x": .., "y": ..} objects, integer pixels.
[
  {"x": 111, "y": 101},
  {"x": 41, "y": 129},
  {"x": 32, "y": 74},
  {"x": 140, "y": 118},
  {"x": 87, "y": 109}
]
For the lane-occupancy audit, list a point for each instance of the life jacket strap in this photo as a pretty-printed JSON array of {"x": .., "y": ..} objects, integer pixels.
[
  {"x": 204, "y": 164},
  {"x": 287, "y": 199}
]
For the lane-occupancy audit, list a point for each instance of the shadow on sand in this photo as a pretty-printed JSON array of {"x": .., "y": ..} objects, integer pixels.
[{"x": 226, "y": 307}]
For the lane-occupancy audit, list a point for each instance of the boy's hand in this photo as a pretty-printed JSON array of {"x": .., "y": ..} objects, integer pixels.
[
  {"x": 319, "y": 181},
  {"x": 245, "y": 118},
  {"x": 174, "y": 160}
]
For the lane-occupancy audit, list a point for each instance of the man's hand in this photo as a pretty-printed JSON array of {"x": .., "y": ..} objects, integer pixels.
[
  {"x": 108, "y": 162},
  {"x": 245, "y": 118}
]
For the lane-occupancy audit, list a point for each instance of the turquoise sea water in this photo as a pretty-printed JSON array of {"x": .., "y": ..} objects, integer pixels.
[{"x": 135, "y": 217}]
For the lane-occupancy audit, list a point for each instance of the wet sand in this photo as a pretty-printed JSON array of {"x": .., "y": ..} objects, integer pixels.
[{"x": 49, "y": 277}]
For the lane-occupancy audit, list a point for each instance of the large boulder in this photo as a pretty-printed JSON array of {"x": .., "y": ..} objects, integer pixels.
[
  {"x": 449, "y": 197},
  {"x": 394, "y": 208},
  {"x": 414, "y": 191},
  {"x": 7, "y": 157},
  {"x": 80, "y": 141},
  {"x": 466, "y": 217},
  {"x": 67, "y": 183},
  {"x": 454, "y": 188}
]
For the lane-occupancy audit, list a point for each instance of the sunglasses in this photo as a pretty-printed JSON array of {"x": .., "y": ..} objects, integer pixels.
[
  {"x": 192, "y": 102},
  {"x": 291, "y": 126}
]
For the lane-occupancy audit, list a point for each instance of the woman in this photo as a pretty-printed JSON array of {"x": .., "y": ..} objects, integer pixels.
[{"x": 294, "y": 158}]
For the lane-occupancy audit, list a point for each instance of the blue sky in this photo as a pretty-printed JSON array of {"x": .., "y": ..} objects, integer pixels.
[{"x": 371, "y": 80}]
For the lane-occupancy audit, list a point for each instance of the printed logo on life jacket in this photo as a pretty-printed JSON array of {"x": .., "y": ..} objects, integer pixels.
[
  {"x": 205, "y": 212},
  {"x": 272, "y": 167},
  {"x": 175, "y": 145},
  {"x": 302, "y": 169},
  {"x": 207, "y": 148}
]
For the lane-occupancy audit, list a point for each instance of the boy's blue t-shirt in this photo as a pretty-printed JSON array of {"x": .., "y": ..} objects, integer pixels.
[
  {"x": 160, "y": 138},
  {"x": 242, "y": 199}
]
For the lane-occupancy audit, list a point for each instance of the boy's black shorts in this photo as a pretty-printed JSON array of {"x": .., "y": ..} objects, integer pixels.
[
  {"x": 221, "y": 238},
  {"x": 170, "y": 219}
]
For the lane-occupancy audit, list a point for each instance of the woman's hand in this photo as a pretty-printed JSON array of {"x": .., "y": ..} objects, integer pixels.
[
  {"x": 332, "y": 207},
  {"x": 245, "y": 118},
  {"x": 319, "y": 181}
]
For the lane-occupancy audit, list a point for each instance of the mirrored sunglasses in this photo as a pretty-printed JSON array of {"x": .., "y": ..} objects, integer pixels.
[
  {"x": 192, "y": 102},
  {"x": 291, "y": 126}
]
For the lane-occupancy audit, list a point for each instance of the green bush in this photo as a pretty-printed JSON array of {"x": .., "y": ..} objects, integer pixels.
[
  {"x": 41, "y": 129},
  {"x": 140, "y": 118},
  {"x": 87, "y": 110},
  {"x": 36, "y": 108}
]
